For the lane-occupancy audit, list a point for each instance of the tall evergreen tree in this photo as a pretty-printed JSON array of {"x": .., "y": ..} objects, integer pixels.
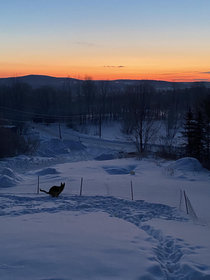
[
  {"x": 198, "y": 141},
  {"x": 205, "y": 106},
  {"x": 194, "y": 133},
  {"x": 188, "y": 134}
]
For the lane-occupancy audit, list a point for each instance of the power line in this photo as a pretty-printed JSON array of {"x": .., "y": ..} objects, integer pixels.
[
  {"x": 27, "y": 105},
  {"x": 9, "y": 120},
  {"x": 48, "y": 116},
  {"x": 36, "y": 114}
]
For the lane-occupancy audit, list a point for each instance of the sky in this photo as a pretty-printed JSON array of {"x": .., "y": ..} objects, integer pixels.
[{"x": 109, "y": 39}]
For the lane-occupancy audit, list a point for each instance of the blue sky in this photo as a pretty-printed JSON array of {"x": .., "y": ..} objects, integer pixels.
[{"x": 76, "y": 38}]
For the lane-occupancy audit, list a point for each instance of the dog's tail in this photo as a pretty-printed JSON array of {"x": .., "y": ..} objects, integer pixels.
[{"x": 44, "y": 191}]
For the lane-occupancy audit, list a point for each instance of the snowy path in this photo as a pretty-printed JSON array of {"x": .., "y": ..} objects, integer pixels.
[{"x": 168, "y": 252}]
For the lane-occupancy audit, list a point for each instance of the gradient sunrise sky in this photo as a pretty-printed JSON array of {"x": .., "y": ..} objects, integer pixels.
[{"x": 109, "y": 39}]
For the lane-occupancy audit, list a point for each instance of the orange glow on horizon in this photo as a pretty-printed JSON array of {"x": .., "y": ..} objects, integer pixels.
[
  {"x": 106, "y": 73},
  {"x": 110, "y": 66},
  {"x": 164, "y": 77}
]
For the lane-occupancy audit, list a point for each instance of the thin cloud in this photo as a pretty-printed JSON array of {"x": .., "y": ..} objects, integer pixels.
[
  {"x": 112, "y": 66},
  {"x": 170, "y": 73},
  {"x": 84, "y": 43},
  {"x": 208, "y": 72},
  {"x": 202, "y": 80}
]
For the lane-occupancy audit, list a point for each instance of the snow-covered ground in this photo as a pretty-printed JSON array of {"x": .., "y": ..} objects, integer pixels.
[{"x": 103, "y": 233}]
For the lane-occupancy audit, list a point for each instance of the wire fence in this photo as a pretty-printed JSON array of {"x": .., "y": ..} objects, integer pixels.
[
  {"x": 152, "y": 194},
  {"x": 186, "y": 206},
  {"x": 133, "y": 190},
  {"x": 127, "y": 189}
]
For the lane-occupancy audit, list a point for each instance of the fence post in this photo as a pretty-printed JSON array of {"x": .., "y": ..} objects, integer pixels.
[
  {"x": 180, "y": 204},
  {"x": 38, "y": 186},
  {"x": 131, "y": 190},
  {"x": 186, "y": 202},
  {"x": 81, "y": 186}
]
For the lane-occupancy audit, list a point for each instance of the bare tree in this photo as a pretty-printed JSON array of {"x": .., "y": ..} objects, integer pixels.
[
  {"x": 103, "y": 90},
  {"x": 89, "y": 90},
  {"x": 141, "y": 115}
]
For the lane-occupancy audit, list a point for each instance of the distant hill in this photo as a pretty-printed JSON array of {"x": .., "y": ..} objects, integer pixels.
[
  {"x": 161, "y": 85},
  {"x": 36, "y": 81}
]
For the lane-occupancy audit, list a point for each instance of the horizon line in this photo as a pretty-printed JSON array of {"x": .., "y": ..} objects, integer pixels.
[{"x": 177, "y": 80}]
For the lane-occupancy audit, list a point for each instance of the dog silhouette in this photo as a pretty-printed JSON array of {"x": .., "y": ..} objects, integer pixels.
[{"x": 55, "y": 190}]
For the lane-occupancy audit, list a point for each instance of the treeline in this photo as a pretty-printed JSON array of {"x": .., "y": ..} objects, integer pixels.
[
  {"x": 83, "y": 100},
  {"x": 88, "y": 99},
  {"x": 137, "y": 105}
]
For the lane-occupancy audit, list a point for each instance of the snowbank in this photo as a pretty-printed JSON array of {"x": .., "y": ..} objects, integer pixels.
[
  {"x": 9, "y": 178},
  {"x": 187, "y": 164}
]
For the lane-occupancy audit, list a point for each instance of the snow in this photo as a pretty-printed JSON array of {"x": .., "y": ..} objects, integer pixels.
[{"x": 103, "y": 233}]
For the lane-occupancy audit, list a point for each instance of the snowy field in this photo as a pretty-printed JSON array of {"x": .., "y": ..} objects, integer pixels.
[{"x": 102, "y": 233}]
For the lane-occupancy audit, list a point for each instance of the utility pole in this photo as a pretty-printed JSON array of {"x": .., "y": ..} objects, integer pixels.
[{"x": 60, "y": 130}]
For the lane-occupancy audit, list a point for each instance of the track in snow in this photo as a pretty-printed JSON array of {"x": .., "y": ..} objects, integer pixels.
[{"x": 168, "y": 252}]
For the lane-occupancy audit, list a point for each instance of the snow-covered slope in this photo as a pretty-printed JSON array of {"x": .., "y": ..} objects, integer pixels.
[{"x": 103, "y": 233}]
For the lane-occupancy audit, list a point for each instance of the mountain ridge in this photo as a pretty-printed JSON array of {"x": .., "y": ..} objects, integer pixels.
[{"x": 36, "y": 81}]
